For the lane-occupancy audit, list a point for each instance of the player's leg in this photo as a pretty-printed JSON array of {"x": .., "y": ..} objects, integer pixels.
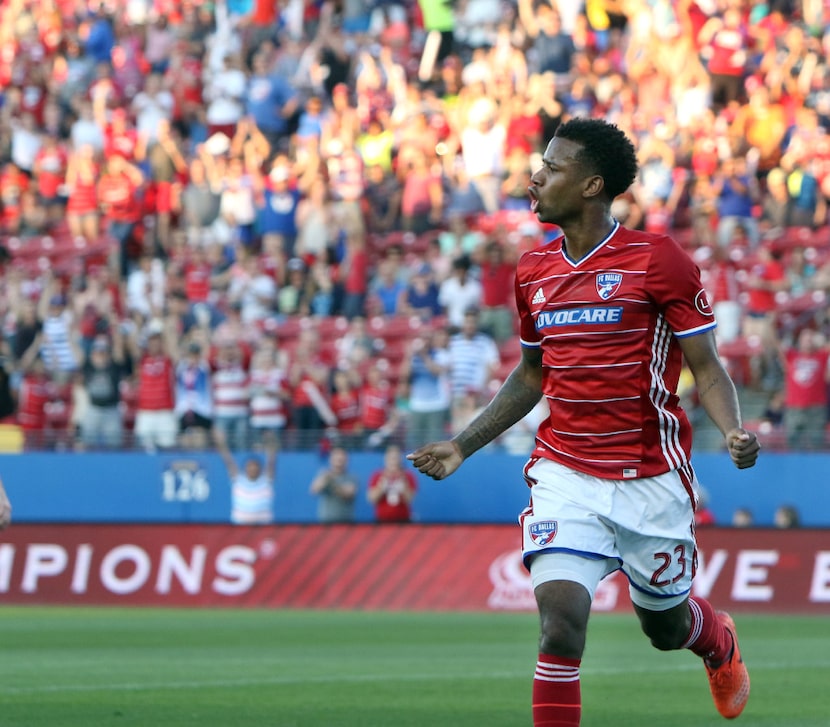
[
  {"x": 564, "y": 607},
  {"x": 691, "y": 624},
  {"x": 564, "y": 587},
  {"x": 695, "y": 625},
  {"x": 655, "y": 537},
  {"x": 568, "y": 550}
]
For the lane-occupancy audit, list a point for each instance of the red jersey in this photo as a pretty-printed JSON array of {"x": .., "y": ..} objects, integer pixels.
[
  {"x": 197, "y": 281},
  {"x": 265, "y": 13},
  {"x": 523, "y": 132},
  {"x": 358, "y": 273},
  {"x": 122, "y": 143},
  {"x": 722, "y": 282},
  {"x": 496, "y": 284},
  {"x": 346, "y": 407},
  {"x": 117, "y": 195},
  {"x": 32, "y": 100},
  {"x": 806, "y": 383},
  {"x": 156, "y": 385},
  {"x": 607, "y": 327},
  {"x": 392, "y": 507},
  {"x": 83, "y": 197},
  {"x": 729, "y": 51},
  {"x": 31, "y": 405},
  {"x": 13, "y": 183},
  {"x": 50, "y": 163},
  {"x": 375, "y": 404},
  {"x": 762, "y": 300}
]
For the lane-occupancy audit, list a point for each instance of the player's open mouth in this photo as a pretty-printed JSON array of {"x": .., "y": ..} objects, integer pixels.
[{"x": 534, "y": 203}]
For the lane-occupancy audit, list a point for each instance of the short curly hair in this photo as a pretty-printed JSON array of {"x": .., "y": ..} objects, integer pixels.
[{"x": 606, "y": 151}]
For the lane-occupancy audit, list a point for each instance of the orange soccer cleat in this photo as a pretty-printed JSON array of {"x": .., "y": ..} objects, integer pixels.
[{"x": 729, "y": 682}]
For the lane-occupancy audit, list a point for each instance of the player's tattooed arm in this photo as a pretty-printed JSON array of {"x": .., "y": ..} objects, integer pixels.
[
  {"x": 715, "y": 389},
  {"x": 516, "y": 397}
]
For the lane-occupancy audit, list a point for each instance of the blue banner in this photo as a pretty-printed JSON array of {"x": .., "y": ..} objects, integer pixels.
[{"x": 195, "y": 487}]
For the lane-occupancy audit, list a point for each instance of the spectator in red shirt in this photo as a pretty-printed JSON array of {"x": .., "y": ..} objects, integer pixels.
[
  {"x": 378, "y": 416},
  {"x": 13, "y": 184},
  {"x": 120, "y": 137},
  {"x": 524, "y": 128},
  {"x": 721, "y": 282},
  {"x": 807, "y": 376},
  {"x": 32, "y": 398},
  {"x": 167, "y": 164},
  {"x": 50, "y": 172},
  {"x": 155, "y": 421},
  {"x": 82, "y": 188},
  {"x": 197, "y": 275},
  {"x": 497, "y": 302},
  {"x": 727, "y": 39},
  {"x": 308, "y": 375},
  {"x": 766, "y": 278},
  {"x": 184, "y": 79},
  {"x": 354, "y": 271},
  {"x": 117, "y": 195},
  {"x": 345, "y": 403},
  {"x": 392, "y": 489}
]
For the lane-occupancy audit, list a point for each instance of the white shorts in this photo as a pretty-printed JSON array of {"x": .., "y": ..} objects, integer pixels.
[
  {"x": 581, "y": 528},
  {"x": 156, "y": 428}
]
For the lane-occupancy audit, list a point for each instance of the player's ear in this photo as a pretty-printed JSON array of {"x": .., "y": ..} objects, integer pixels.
[{"x": 593, "y": 186}]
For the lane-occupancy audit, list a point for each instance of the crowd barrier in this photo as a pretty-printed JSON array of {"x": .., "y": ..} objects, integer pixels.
[
  {"x": 195, "y": 488},
  {"x": 368, "y": 567}
]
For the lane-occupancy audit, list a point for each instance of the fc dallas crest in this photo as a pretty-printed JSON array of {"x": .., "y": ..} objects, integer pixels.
[{"x": 608, "y": 284}]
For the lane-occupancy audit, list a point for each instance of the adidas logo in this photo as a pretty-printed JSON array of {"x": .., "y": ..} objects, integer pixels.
[{"x": 539, "y": 297}]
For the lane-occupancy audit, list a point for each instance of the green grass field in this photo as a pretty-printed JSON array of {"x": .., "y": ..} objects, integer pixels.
[{"x": 73, "y": 667}]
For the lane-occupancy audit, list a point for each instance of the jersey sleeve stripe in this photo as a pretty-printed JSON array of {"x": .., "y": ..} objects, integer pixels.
[{"x": 695, "y": 331}]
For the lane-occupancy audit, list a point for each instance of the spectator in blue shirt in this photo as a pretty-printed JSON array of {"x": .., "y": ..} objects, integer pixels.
[
  {"x": 270, "y": 100},
  {"x": 421, "y": 295},
  {"x": 386, "y": 291},
  {"x": 276, "y": 218},
  {"x": 101, "y": 38},
  {"x": 736, "y": 196}
]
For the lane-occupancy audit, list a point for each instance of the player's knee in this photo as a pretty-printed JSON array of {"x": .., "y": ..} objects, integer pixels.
[
  {"x": 667, "y": 637},
  {"x": 561, "y": 636}
]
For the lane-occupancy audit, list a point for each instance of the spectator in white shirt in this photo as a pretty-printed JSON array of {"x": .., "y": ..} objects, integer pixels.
[
  {"x": 482, "y": 149},
  {"x": 225, "y": 91},
  {"x": 474, "y": 358},
  {"x": 151, "y": 106},
  {"x": 146, "y": 287},
  {"x": 85, "y": 131},
  {"x": 26, "y": 142},
  {"x": 254, "y": 289},
  {"x": 460, "y": 292}
]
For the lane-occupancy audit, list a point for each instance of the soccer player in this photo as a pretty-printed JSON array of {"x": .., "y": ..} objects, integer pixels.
[{"x": 606, "y": 316}]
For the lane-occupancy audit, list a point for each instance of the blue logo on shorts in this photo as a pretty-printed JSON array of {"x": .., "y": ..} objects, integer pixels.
[{"x": 543, "y": 533}]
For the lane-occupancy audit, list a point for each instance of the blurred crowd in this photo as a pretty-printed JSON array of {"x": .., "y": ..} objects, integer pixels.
[{"x": 294, "y": 217}]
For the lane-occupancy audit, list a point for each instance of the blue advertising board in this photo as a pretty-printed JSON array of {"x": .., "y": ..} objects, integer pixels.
[{"x": 195, "y": 487}]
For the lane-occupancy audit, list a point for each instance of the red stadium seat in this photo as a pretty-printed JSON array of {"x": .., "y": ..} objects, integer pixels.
[{"x": 395, "y": 326}]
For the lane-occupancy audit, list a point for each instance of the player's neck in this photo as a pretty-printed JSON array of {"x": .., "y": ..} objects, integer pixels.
[{"x": 582, "y": 237}]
